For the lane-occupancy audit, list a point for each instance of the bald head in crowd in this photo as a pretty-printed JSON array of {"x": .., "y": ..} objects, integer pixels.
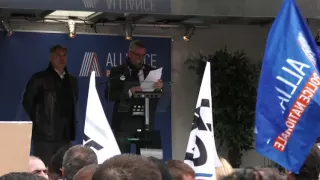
[
  {"x": 127, "y": 166},
  {"x": 76, "y": 158},
  {"x": 37, "y": 167},
  {"x": 86, "y": 172},
  {"x": 180, "y": 170}
]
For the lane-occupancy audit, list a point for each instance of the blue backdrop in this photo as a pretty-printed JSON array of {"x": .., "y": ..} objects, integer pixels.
[{"x": 25, "y": 53}]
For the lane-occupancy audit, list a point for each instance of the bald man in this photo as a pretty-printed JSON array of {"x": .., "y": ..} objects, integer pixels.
[{"x": 37, "y": 167}]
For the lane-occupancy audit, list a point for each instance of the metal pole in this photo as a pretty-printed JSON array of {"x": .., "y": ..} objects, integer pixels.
[{"x": 146, "y": 115}]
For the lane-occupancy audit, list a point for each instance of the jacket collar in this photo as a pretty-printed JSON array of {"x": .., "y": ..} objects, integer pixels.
[
  {"x": 50, "y": 68},
  {"x": 132, "y": 66}
]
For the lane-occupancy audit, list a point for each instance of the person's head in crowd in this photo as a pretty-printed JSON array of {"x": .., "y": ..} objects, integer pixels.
[
  {"x": 76, "y": 158},
  {"x": 21, "y": 176},
  {"x": 127, "y": 167},
  {"x": 311, "y": 168},
  {"x": 58, "y": 58},
  {"x": 251, "y": 173},
  {"x": 137, "y": 52},
  {"x": 86, "y": 172},
  {"x": 224, "y": 170},
  {"x": 272, "y": 174},
  {"x": 56, "y": 163},
  {"x": 180, "y": 170},
  {"x": 165, "y": 174},
  {"x": 37, "y": 167}
]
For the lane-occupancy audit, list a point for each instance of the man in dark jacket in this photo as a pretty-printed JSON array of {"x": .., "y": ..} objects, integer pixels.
[
  {"x": 50, "y": 100},
  {"x": 124, "y": 81}
]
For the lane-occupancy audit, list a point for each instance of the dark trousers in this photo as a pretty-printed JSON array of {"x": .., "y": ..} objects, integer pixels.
[{"x": 45, "y": 149}]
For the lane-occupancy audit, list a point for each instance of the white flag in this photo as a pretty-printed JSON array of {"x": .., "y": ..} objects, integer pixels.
[
  {"x": 97, "y": 132},
  {"x": 201, "y": 152}
]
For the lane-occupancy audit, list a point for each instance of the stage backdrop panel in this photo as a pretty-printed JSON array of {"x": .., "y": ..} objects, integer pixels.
[{"x": 25, "y": 53}]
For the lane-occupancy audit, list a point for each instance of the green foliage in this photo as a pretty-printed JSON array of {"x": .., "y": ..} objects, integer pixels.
[{"x": 234, "y": 83}]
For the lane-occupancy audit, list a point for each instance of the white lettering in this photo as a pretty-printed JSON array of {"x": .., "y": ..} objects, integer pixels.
[
  {"x": 153, "y": 60},
  {"x": 295, "y": 65},
  {"x": 111, "y": 4},
  {"x": 145, "y": 7},
  {"x": 120, "y": 58},
  {"x": 306, "y": 48},
  {"x": 282, "y": 101},
  {"x": 283, "y": 92},
  {"x": 116, "y": 59},
  {"x": 109, "y": 60},
  {"x": 291, "y": 77},
  {"x": 138, "y": 5},
  {"x": 147, "y": 56},
  {"x": 153, "y": 6},
  {"x": 131, "y": 5},
  {"x": 293, "y": 86},
  {"x": 299, "y": 77}
]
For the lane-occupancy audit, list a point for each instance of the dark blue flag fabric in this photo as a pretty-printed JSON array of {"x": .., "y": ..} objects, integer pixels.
[{"x": 288, "y": 102}]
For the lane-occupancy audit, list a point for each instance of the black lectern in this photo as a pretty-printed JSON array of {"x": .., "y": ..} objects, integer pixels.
[
  {"x": 134, "y": 114},
  {"x": 146, "y": 108},
  {"x": 147, "y": 139}
]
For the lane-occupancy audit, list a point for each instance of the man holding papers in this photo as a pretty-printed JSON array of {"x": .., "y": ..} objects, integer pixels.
[{"x": 125, "y": 80}]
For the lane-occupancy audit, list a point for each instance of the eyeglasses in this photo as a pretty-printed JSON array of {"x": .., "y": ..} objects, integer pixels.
[{"x": 140, "y": 55}]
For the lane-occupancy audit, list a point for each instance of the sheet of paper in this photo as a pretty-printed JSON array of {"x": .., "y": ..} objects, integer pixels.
[{"x": 153, "y": 76}]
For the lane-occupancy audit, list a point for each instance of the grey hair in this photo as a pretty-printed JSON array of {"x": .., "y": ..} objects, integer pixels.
[
  {"x": 134, "y": 44},
  {"x": 91, "y": 167},
  {"x": 76, "y": 158},
  {"x": 56, "y": 47},
  {"x": 21, "y": 175}
]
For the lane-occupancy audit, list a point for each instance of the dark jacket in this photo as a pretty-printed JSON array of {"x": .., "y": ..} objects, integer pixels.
[
  {"x": 40, "y": 102},
  {"x": 120, "y": 81}
]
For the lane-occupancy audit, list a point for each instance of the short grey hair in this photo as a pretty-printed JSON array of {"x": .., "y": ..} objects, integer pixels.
[
  {"x": 85, "y": 170},
  {"x": 127, "y": 166},
  {"x": 134, "y": 44},
  {"x": 76, "y": 158},
  {"x": 54, "y": 48},
  {"x": 21, "y": 175}
]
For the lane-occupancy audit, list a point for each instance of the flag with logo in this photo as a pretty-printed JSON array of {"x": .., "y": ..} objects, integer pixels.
[
  {"x": 288, "y": 101},
  {"x": 97, "y": 132},
  {"x": 201, "y": 152}
]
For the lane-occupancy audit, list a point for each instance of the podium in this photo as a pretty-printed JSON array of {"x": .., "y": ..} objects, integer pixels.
[
  {"x": 146, "y": 108},
  {"x": 135, "y": 115},
  {"x": 147, "y": 140}
]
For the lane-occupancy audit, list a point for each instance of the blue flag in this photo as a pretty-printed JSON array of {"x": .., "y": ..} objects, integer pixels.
[{"x": 288, "y": 102}]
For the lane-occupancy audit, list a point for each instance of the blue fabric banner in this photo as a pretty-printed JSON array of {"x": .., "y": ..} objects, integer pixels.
[
  {"x": 25, "y": 53},
  {"x": 288, "y": 102}
]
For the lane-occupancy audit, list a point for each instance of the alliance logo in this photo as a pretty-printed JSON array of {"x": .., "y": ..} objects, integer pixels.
[
  {"x": 90, "y": 3},
  {"x": 90, "y": 63}
]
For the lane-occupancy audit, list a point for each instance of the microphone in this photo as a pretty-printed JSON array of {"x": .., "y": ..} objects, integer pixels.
[{"x": 140, "y": 64}]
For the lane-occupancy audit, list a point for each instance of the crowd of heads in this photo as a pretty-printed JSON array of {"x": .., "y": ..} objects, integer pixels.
[{"x": 81, "y": 163}]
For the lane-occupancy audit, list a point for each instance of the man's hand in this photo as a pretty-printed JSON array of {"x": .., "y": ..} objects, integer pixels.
[
  {"x": 158, "y": 84},
  {"x": 135, "y": 89}
]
